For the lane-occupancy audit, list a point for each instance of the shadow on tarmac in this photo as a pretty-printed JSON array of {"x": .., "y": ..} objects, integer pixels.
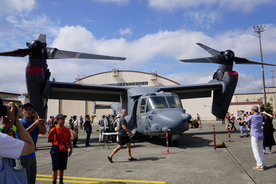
[
  {"x": 143, "y": 159},
  {"x": 185, "y": 141}
]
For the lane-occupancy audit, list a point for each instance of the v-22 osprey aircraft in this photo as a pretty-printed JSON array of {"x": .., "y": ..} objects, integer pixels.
[{"x": 150, "y": 110}]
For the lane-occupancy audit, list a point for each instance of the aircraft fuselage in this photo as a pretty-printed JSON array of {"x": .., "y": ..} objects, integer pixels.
[{"x": 152, "y": 113}]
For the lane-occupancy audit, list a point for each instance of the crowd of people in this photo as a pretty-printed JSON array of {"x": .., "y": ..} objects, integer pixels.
[
  {"x": 261, "y": 131},
  {"x": 20, "y": 137}
]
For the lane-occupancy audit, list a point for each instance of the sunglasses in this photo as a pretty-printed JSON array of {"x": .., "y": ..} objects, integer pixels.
[
  {"x": 30, "y": 109},
  {"x": 12, "y": 128}
]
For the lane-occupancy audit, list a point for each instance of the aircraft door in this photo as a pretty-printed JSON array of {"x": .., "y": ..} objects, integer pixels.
[
  {"x": 141, "y": 115},
  {"x": 134, "y": 114}
]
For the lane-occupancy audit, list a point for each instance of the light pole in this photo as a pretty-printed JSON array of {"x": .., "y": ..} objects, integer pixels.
[{"x": 259, "y": 30}]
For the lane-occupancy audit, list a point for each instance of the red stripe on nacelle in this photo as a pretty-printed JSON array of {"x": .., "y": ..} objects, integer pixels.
[
  {"x": 34, "y": 69},
  {"x": 232, "y": 73}
]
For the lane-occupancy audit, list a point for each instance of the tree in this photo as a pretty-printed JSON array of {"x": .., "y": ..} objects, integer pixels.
[{"x": 269, "y": 108}]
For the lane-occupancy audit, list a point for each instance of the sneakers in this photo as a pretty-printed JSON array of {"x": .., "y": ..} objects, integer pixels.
[
  {"x": 264, "y": 151},
  {"x": 259, "y": 168},
  {"x": 241, "y": 136},
  {"x": 269, "y": 152},
  {"x": 110, "y": 159},
  {"x": 132, "y": 159},
  {"x": 247, "y": 135}
]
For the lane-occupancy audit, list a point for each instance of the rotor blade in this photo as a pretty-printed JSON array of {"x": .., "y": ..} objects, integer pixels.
[
  {"x": 213, "y": 52},
  {"x": 246, "y": 61},
  {"x": 201, "y": 60},
  {"x": 42, "y": 38},
  {"x": 62, "y": 54},
  {"x": 16, "y": 53}
]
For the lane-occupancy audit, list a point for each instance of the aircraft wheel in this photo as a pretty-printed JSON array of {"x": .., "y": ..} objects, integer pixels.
[
  {"x": 173, "y": 143},
  {"x": 190, "y": 124}
]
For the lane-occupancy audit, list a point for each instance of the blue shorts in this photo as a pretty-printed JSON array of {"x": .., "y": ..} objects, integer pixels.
[
  {"x": 123, "y": 140},
  {"x": 59, "y": 158}
]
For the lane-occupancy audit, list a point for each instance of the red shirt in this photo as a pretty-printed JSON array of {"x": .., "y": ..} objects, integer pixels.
[
  {"x": 64, "y": 135},
  {"x": 52, "y": 122}
]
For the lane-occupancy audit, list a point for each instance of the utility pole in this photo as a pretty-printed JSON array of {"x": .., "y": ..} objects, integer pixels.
[
  {"x": 259, "y": 30},
  {"x": 272, "y": 78}
]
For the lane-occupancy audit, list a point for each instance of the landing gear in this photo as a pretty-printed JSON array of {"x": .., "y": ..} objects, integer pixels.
[{"x": 173, "y": 143}]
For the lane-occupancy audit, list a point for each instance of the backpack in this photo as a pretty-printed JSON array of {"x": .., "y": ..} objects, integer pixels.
[
  {"x": 24, "y": 123},
  {"x": 72, "y": 126}
]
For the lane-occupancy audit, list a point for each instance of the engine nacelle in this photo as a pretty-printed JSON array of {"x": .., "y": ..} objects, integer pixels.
[{"x": 222, "y": 99}]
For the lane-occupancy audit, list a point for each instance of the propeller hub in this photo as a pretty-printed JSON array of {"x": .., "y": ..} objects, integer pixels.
[
  {"x": 37, "y": 48},
  {"x": 229, "y": 55}
]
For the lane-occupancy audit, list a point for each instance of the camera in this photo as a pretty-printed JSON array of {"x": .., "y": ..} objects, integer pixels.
[{"x": 3, "y": 109}]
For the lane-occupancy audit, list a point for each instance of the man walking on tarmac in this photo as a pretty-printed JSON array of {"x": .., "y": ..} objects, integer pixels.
[{"x": 123, "y": 138}]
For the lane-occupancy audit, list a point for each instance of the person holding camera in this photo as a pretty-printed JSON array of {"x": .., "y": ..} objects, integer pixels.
[
  {"x": 11, "y": 147},
  {"x": 88, "y": 128},
  {"x": 268, "y": 131},
  {"x": 242, "y": 126},
  {"x": 60, "y": 136},
  {"x": 34, "y": 126},
  {"x": 257, "y": 137}
]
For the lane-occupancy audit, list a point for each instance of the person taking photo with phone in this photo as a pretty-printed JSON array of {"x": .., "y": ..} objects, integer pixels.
[{"x": 34, "y": 126}]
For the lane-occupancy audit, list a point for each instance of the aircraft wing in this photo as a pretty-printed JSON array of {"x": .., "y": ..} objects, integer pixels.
[
  {"x": 194, "y": 90},
  {"x": 89, "y": 92}
]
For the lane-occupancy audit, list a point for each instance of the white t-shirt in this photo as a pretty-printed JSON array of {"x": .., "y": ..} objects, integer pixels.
[
  {"x": 9, "y": 148},
  {"x": 75, "y": 123},
  {"x": 105, "y": 124}
]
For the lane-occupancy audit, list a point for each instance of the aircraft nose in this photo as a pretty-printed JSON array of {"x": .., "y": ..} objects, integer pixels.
[{"x": 176, "y": 121}]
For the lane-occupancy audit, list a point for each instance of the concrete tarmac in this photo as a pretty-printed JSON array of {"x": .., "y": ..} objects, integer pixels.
[{"x": 193, "y": 161}]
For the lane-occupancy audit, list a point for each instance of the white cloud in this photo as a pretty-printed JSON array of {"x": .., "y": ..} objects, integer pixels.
[
  {"x": 240, "y": 5},
  {"x": 203, "y": 19},
  {"x": 19, "y": 6},
  {"x": 246, "y": 84},
  {"x": 243, "y": 5},
  {"x": 25, "y": 29},
  {"x": 172, "y": 45},
  {"x": 249, "y": 84},
  {"x": 176, "y": 4},
  {"x": 191, "y": 77},
  {"x": 12, "y": 74},
  {"x": 126, "y": 31}
]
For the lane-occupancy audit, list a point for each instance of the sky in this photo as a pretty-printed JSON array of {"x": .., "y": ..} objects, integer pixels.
[{"x": 151, "y": 34}]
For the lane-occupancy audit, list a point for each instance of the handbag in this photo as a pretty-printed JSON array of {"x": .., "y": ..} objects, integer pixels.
[
  {"x": 61, "y": 146},
  {"x": 9, "y": 175}
]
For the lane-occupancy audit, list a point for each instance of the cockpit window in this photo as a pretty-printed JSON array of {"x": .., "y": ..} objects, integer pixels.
[
  {"x": 143, "y": 106},
  {"x": 156, "y": 103},
  {"x": 174, "y": 102}
]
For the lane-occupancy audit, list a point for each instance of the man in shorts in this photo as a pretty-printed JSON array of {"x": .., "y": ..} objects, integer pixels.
[
  {"x": 57, "y": 135},
  {"x": 123, "y": 138}
]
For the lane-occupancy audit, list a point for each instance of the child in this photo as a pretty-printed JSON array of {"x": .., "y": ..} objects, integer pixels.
[{"x": 57, "y": 135}]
